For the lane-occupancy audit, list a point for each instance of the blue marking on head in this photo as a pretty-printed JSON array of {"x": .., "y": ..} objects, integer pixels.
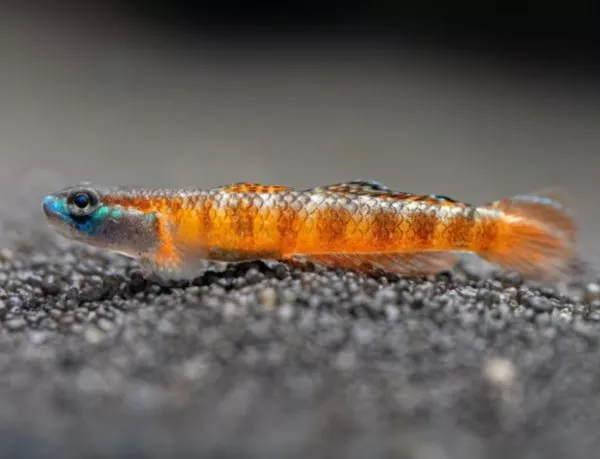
[
  {"x": 117, "y": 212},
  {"x": 53, "y": 204},
  {"x": 61, "y": 214},
  {"x": 89, "y": 224}
]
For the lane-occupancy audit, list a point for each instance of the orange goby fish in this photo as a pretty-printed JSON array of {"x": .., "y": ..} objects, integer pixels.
[{"x": 359, "y": 225}]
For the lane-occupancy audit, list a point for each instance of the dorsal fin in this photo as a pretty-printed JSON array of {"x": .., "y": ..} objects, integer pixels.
[
  {"x": 356, "y": 187},
  {"x": 377, "y": 189},
  {"x": 370, "y": 187},
  {"x": 441, "y": 198},
  {"x": 249, "y": 187}
]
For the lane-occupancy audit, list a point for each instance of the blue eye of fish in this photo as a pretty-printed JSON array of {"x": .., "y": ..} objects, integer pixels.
[{"x": 81, "y": 200}]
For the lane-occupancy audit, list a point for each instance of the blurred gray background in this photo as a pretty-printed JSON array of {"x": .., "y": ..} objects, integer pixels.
[{"x": 111, "y": 94}]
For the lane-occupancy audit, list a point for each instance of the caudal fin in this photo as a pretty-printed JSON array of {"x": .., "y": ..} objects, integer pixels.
[{"x": 537, "y": 236}]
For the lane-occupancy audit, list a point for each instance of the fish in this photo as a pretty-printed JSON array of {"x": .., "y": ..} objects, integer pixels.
[{"x": 359, "y": 225}]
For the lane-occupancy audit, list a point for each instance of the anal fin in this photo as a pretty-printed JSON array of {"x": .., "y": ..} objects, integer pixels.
[
  {"x": 173, "y": 267},
  {"x": 400, "y": 263}
]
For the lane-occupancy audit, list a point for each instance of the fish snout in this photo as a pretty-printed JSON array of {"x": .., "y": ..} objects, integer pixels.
[{"x": 51, "y": 208}]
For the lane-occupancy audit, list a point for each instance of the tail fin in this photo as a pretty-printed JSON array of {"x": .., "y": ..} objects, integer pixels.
[{"x": 538, "y": 237}]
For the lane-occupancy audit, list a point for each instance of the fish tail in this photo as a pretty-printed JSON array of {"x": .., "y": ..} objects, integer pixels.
[{"x": 535, "y": 235}]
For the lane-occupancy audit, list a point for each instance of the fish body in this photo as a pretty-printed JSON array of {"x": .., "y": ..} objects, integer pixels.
[{"x": 359, "y": 225}]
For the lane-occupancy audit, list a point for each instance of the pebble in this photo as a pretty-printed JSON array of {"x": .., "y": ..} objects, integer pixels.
[
  {"x": 594, "y": 315},
  {"x": 345, "y": 360},
  {"x": 13, "y": 302},
  {"x": 539, "y": 303},
  {"x": 51, "y": 285},
  {"x": 6, "y": 254},
  {"x": 105, "y": 324},
  {"x": 392, "y": 313},
  {"x": 286, "y": 312},
  {"x": 592, "y": 292},
  {"x": 267, "y": 298},
  {"x": 166, "y": 327},
  {"x": 93, "y": 334},
  {"x": 18, "y": 323}
]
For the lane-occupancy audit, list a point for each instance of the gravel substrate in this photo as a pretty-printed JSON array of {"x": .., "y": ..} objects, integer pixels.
[{"x": 264, "y": 361}]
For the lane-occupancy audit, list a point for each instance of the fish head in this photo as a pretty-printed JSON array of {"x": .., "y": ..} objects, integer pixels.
[{"x": 86, "y": 213}]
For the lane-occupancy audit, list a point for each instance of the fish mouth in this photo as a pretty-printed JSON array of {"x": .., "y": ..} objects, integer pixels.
[
  {"x": 48, "y": 206},
  {"x": 51, "y": 208}
]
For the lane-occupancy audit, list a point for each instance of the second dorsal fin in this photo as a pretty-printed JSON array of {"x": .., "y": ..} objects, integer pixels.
[
  {"x": 357, "y": 187},
  {"x": 373, "y": 188}
]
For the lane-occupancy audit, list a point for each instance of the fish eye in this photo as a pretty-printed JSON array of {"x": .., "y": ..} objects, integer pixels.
[{"x": 82, "y": 202}]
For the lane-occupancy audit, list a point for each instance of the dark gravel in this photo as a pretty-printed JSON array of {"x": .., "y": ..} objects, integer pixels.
[{"x": 265, "y": 361}]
